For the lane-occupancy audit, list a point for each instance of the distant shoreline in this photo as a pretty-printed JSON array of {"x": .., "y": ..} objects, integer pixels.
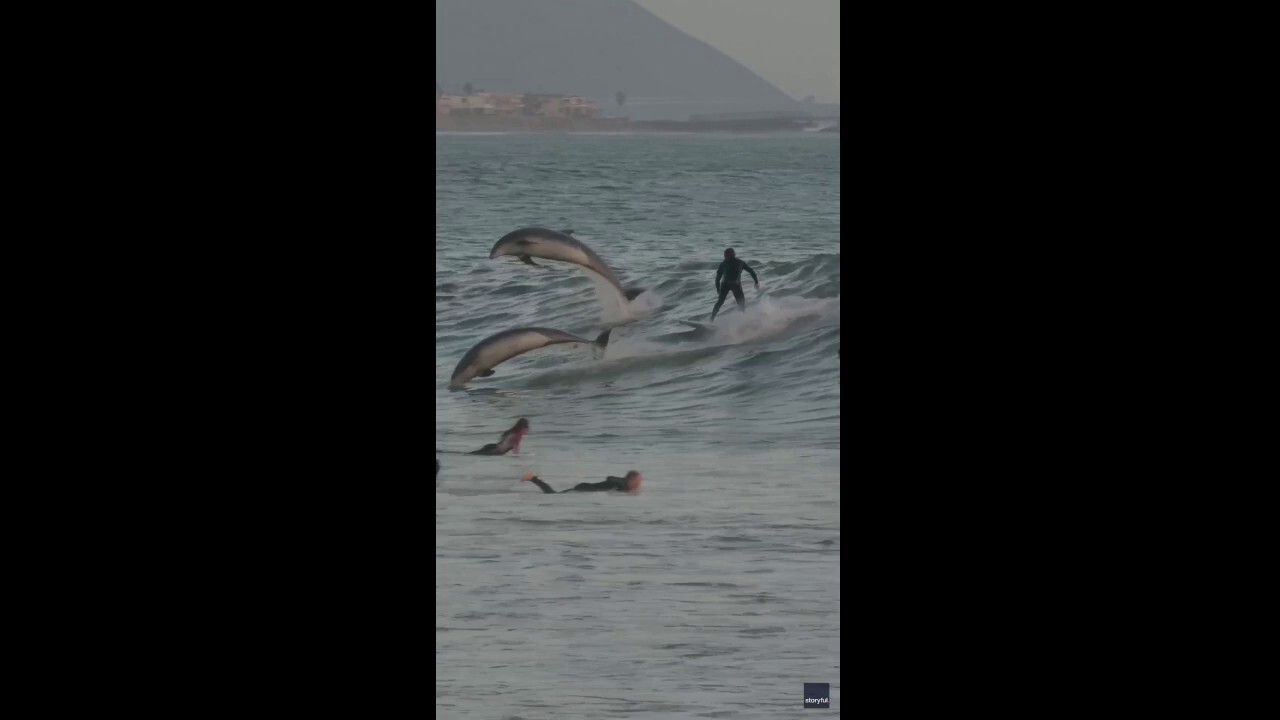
[
  {"x": 507, "y": 123},
  {"x": 623, "y": 126},
  {"x": 723, "y": 133}
]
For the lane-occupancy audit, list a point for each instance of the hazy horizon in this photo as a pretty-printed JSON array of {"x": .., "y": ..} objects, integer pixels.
[
  {"x": 600, "y": 48},
  {"x": 794, "y": 45}
]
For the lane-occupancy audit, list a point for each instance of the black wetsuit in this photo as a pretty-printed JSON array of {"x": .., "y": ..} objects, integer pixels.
[
  {"x": 731, "y": 272},
  {"x": 609, "y": 483},
  {"x": 509, "y": 439}
]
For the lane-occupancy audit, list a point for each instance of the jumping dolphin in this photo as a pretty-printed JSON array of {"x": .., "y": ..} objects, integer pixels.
[
  {"x": 495, "y": 349},
  {"x": 551, "y": 245}
]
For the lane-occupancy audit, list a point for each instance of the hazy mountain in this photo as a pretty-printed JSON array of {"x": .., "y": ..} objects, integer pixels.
[{"x": 594, "y": 48}]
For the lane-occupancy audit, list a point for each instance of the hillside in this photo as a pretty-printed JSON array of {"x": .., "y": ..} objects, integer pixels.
[{"x": 593, "y": 48}]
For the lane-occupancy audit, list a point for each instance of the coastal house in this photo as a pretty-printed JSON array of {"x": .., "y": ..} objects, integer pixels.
[
  {"x": 583, "y": 107},
  {"x": 446, "y": 104},
  {"x": 464, "y": 105},
  {"x": 569, "y": 106},
  {"x": 506, "y": 103},
  {"x": 524, "y": 110}
]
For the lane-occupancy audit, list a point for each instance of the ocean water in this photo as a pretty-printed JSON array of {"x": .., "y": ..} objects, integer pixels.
[{"x": 715, "y": 591}]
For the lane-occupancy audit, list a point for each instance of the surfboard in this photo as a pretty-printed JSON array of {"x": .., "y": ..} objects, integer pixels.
[{"x": 698, "y": 325}]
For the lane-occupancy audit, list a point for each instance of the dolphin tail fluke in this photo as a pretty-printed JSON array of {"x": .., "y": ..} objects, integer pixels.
[{"x": 602, "y": 342}]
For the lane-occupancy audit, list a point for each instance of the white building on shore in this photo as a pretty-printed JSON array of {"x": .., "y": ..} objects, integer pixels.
[{"x": 516, "y": 104}]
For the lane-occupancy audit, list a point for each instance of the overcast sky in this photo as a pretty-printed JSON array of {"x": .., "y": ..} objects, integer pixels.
[{"x": 794, "y": 44}]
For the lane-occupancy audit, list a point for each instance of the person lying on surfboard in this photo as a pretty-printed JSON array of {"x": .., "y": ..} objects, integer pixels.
[
  {"x": 628, "y": 484},
  {"x": 508, "y": 441}
]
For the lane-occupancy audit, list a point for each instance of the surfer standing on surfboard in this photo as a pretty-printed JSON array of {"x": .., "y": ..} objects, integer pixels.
[{"x": 731, "y": 272}]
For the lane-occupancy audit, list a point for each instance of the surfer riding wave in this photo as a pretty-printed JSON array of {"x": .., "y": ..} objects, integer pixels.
[{"x": 731, "y": 272}]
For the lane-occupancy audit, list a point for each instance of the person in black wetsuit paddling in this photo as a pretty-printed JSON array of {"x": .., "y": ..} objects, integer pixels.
[
  {"x": 731, "y": 271},
  {"x": 509, "y": 440},
  {"x": 628, "y": 484}
]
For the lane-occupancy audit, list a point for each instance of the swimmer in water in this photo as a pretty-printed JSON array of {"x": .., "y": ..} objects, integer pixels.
[
  {"x": 509, "y": 440},
  {"x": 628, "y": 484},
  {"x": 731, "y": 271}
]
